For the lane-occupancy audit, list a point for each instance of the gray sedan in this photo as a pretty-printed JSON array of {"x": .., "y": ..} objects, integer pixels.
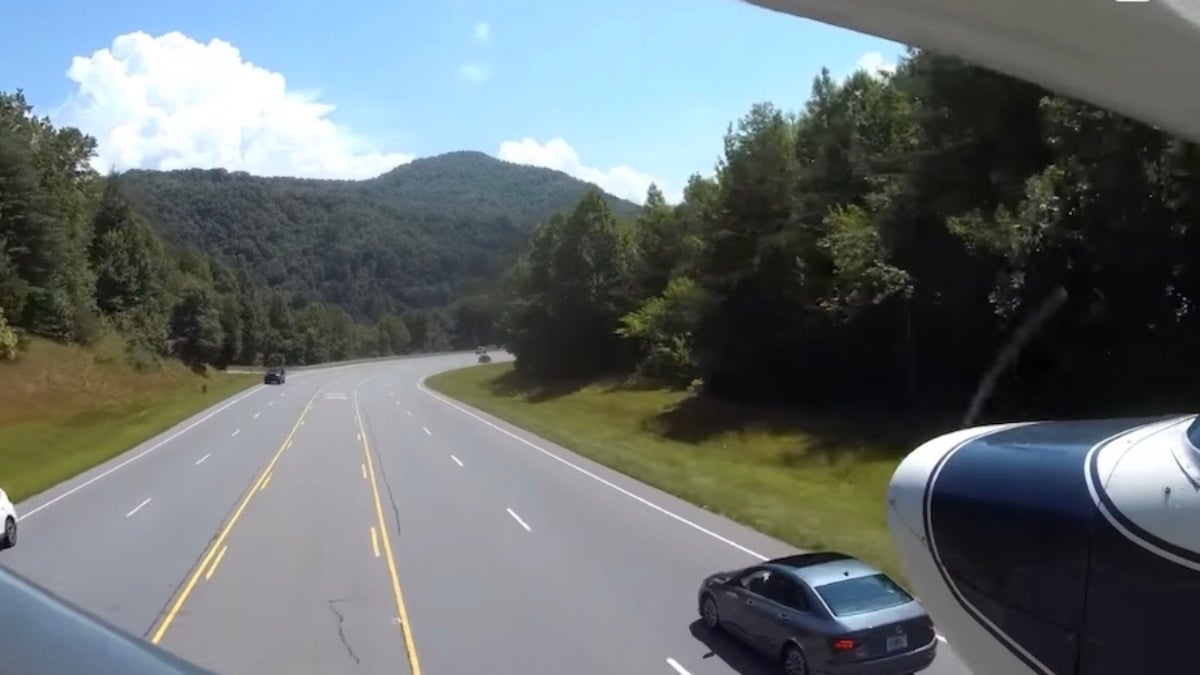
[{"x": 822, "y": 613}]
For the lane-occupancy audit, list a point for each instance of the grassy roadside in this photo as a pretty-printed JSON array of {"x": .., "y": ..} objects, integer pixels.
[
  {"x": 814, "y": 483},
  {"x": 65, "y": 409}
]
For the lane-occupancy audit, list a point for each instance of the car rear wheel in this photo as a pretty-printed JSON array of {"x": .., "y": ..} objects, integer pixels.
[
  {"x": 793, "y": 661},
  {"x": 9, "y": 539},
  {"x": 708, "y": 612}
]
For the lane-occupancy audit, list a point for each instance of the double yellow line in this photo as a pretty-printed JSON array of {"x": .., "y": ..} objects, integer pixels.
[
  {"x": 218, "y": 543},
  {"x": 409, "y": 646},
  {"x": 217, "y": 548}
]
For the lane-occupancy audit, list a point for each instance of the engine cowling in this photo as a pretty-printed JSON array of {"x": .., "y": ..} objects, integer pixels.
[{"x": 1064, "y": 548}]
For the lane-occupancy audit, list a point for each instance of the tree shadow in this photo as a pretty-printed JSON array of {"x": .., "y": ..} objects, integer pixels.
[
  {"x": 826, "y": 432},
  {"x": 633, "y": 383},
  {"x": 534, "y": 389},
  {"x": 737, "y": 656}
]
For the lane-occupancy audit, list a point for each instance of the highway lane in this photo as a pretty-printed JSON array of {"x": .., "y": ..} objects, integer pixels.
[
  {"x": 591, "y": 567},
  {"x": 118, "y": 539},
  {"x": 300, "y": 583},
  {"x": 513, "y": 555}
]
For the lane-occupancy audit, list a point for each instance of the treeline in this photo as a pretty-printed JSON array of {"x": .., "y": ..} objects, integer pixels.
[
  {"x": 436, "y": 232},
  {"x": 881, "y": 246},
  {"x": 77, "y": 261}
]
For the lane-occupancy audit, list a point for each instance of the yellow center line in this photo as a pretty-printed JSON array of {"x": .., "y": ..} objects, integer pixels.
[
  {"x": 217, "y": 543},
  {"x": 213, "y": 569},
  {"x": 409, "y": 646},
  {"x": 375, "y": 541},
  {"x": 268, "y": 480}
]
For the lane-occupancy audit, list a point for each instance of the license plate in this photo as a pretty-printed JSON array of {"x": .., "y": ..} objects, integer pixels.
[{"x": 897, "y": 642}]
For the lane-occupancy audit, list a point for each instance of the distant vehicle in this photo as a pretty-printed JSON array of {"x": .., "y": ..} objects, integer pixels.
[
  {"x": 276, "y": 375},
  {"x": 480, "y": 350},
  {"x": 8, "y": 514},
  {"x": 821, "y": 613},
  {"x": 484, "y": 358}
]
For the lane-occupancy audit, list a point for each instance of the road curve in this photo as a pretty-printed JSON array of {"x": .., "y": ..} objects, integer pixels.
[{"x": 353, "y": 521}]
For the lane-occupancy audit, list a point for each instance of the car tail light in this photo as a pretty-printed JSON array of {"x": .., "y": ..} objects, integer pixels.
[{"x": 843, "y": 645}]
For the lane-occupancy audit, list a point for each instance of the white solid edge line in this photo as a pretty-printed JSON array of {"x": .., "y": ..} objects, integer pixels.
[
  {"x": 593, "y": 476},
  {"x": 427, "y": 431},
  {"x": 201, "y": 460},
  {"x": 678, "y": 668},
  {"x": 456, "y": 460},
  {"x": 519, "y": 521},
  {"x": 138, "y": 507},
  {"x": 136, "y": 457}
]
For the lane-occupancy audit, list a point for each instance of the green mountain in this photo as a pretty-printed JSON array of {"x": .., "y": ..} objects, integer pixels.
[{"x": 410, "y": 238}]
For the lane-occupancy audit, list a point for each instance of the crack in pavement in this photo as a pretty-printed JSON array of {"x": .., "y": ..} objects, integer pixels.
[
  {"x": 391, "y": 497},
  {"x": 365, "y": 422},
  {"x": 341, "y": 620}
]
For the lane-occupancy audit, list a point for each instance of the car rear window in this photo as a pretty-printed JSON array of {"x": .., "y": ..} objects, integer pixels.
[{"x": 862, "y": 594}]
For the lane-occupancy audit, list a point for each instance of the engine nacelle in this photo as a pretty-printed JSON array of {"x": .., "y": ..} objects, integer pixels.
[{"x": 1064, "y": 548}]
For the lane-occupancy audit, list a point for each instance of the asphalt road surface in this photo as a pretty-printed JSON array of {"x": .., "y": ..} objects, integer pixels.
[{"x": 351, "y": 521}]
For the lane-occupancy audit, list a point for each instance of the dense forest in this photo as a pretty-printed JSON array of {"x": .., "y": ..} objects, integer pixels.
[
  {"x": 881, "y": 247},
  {"x": 223, "y": 268},
  {"x": 425, "y": 235}
]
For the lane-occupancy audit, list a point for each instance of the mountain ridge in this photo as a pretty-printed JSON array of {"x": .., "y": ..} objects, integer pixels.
[{"x": 411, "y": 238}]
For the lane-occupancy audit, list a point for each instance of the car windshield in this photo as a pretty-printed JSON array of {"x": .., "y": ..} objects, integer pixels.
[{"x": 862, "y": 594}]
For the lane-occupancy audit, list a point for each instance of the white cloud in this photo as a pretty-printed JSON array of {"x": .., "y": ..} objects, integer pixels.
[
  {"x": 875, "y": 63},
  {"x": 170, "y": 102},
  {"x": 622, "y": 181},
  {"x": 473, "y": 72},
  {"x": 482, "y": 32}
]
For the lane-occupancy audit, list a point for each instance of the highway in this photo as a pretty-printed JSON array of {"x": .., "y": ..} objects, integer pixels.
[{"x": 352, "y": 521}]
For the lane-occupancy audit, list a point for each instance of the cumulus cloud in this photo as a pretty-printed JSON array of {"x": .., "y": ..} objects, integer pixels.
[
  {"x": 622, "y": 181},
  {"x": 473, "y": 72},
  {"x": 170, "y": 102},
  {"x": 482, "y": 32},
  {"x": 876, "y": 64}
]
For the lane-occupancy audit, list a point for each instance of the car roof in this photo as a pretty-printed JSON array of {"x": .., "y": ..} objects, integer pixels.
[{"x": 817, "y": 569}]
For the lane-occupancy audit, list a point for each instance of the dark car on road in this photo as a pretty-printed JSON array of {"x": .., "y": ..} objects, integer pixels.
[
  {"x": 276, "y": 375},
  {"x": 822, "y": 613}
]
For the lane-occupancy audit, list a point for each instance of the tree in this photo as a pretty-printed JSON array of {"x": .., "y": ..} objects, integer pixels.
[
  {"x": 130, "y": 269},
  {"x": 393, "y": 335},
  {"x": 196, "y": 327}
]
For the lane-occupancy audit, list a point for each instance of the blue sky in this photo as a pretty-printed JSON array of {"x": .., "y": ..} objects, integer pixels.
[{"x": 638, "y": 90}]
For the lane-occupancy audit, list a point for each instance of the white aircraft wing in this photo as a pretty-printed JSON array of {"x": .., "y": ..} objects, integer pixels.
[{"x": 1136, "y": 58}]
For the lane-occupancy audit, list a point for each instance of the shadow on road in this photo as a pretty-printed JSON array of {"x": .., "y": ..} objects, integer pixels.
[{"x": 737, "y": 656}]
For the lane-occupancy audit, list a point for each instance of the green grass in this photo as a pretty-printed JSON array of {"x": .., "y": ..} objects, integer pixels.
[
  {"x": 817, "y": 482},
  {"x": 66, "y": 409}
]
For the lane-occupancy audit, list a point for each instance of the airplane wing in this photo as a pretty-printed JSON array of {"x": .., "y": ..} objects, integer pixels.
[
  {"x": 1135, "y": 58},
  {"x": 44, "y": 635}
]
